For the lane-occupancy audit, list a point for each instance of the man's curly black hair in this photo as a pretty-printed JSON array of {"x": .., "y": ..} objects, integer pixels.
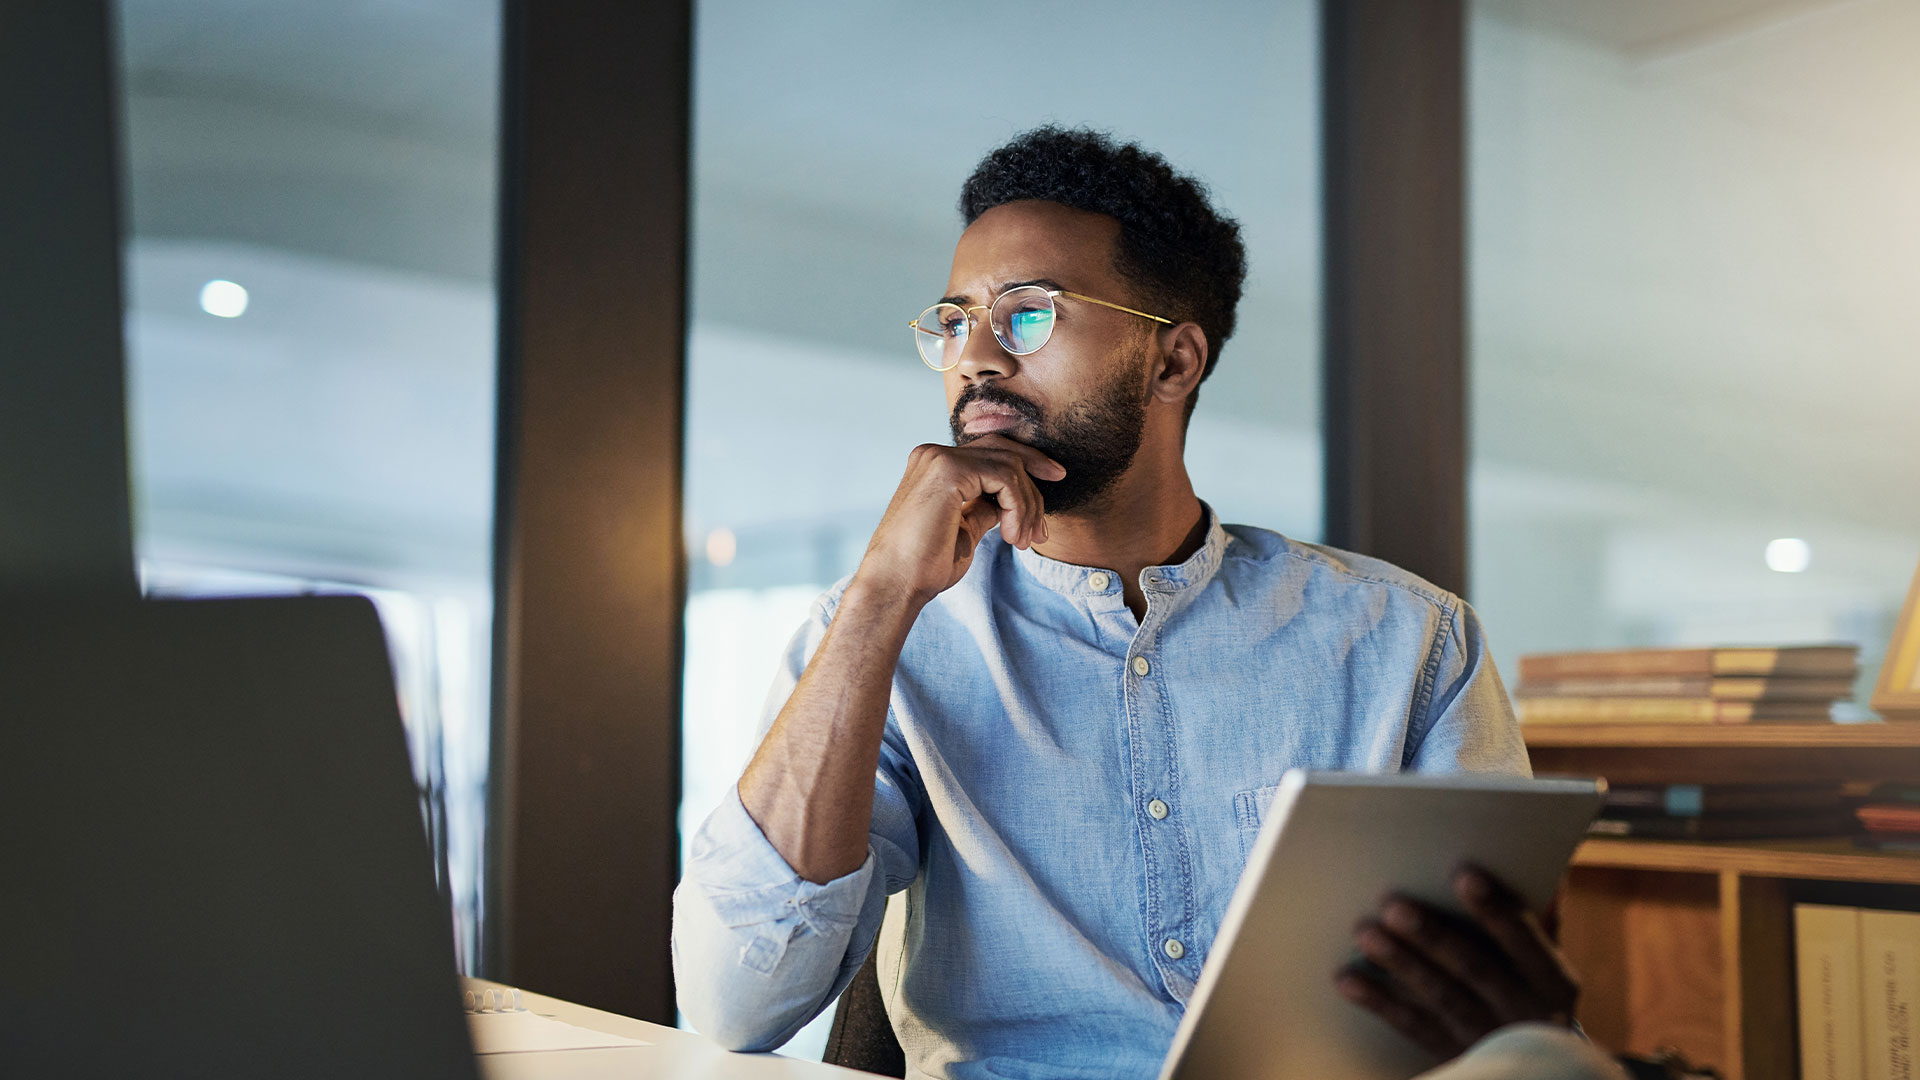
[{"x": 1184, "y": 256}]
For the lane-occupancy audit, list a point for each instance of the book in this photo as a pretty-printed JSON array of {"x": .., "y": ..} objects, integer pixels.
[
  {"x": 1826, "y": 942},
  {"x": 1890, "y": 817},
  {"x": 1698, "y": 800},
  {"x": 1739, "y": 827},
  {"x": 1660, "y": 710},
  {"x": 1725, "y": 687},
  {"x": 1890, "y": 991},
  {"x": 1834, "y": 661}
]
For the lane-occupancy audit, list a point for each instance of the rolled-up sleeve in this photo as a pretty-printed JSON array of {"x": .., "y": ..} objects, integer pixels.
[
  {"x": 1464, "y": 719},
  {"x": 758, "y": 951}
]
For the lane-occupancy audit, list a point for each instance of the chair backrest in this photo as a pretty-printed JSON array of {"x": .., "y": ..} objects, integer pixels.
[{"x": 862, "y": 1036}]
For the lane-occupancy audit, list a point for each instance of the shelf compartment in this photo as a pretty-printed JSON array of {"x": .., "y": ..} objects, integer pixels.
[{"x": 1650, "y": 953}]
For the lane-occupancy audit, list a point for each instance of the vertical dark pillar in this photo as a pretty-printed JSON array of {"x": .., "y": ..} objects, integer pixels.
[
  {"x": 1395, "y": 283},
  {"x": 590, "y": 571},
  {"x": 64, "y": 511}
]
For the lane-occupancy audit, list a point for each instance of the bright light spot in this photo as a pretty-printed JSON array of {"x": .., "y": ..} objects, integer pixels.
[
  {"x": 1788, "y": 556},
  {"x": 223, "y": 298},
  {"x": 721, "y": 547}
]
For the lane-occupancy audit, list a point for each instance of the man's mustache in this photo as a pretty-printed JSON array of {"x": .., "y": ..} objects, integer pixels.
[{"x": 992, "y": 394}]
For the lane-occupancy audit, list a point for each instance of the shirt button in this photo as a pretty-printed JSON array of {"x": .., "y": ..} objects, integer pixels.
[
  {"x": 1098, "y": 581},
  {"x": 1141, "y": 667},
  {"x": 1173, "y": 948},
  {"x": 1157, "y": 809}
]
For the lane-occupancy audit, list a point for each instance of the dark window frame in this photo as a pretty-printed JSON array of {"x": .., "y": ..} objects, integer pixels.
[{"x": 590, "y": 577}]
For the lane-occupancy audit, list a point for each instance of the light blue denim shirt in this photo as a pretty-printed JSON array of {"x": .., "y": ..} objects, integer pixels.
[{"x": 1068, "y": 797}]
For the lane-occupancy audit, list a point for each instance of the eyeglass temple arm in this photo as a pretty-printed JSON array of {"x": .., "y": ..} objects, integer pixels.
[{"x": 1116, "y": 307}]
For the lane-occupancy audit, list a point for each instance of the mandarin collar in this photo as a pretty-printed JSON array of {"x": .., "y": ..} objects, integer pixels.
[{"x": 1071, "y": 580}]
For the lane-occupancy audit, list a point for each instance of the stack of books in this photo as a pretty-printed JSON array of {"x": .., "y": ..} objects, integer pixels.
[
  {"x": 1890, "y": 817},
  {"x": 1789, "y": 684},
  {"x": 1723, "y": 811},
  {"x": 1857, "y": 971}
]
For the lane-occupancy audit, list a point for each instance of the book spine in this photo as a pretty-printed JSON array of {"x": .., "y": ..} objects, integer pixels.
[
  {"x": 1618, "y": 686},
  {"x": 1837, "y": 661},
  {"x": 1890, "y": 978},
  {"x": 1783, "y": 690},
  {"x": 1827, "y": 977},
  {"x": 1618, "y": 710},
  {"x": 1555, "y": 666}
]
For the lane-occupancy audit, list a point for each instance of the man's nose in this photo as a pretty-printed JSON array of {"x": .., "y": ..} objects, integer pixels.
[{"x": 983, "y": 357}]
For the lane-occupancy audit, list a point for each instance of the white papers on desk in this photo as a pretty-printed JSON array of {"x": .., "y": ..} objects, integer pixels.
[{"x": 520, "y": 1032}]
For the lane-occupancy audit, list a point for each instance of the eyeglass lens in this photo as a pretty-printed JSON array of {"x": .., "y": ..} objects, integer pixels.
[{"x": 1022, "y": 321}]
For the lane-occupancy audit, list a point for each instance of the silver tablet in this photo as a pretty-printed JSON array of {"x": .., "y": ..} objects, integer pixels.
[{"x": 1332, "y": 846}]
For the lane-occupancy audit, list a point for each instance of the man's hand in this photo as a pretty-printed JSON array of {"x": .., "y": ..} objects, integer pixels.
[
  {"x": 1444, "y": 982},
  {"x": 948, "y": 499}
]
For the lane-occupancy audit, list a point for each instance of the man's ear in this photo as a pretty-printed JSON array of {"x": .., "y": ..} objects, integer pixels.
[{"x": 1183, "y": 361}]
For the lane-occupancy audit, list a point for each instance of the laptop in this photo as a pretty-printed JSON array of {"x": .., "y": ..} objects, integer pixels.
[
  {"x": 213, "y": 860},
  {"x": 1332, "y": 845}
]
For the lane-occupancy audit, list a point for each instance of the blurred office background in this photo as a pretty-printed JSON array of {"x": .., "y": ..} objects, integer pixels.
[
  {"x": 309, "y": 208},
  {"x": 1692, "y": 243},
  {"x": 1693, "y": 240}
]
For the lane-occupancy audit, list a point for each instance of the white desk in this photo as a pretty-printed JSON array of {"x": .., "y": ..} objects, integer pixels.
[{"x": 674, "y": 1055}]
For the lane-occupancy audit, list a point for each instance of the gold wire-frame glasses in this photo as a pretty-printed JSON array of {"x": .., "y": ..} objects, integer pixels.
[{"x": 1021, "y": 319}]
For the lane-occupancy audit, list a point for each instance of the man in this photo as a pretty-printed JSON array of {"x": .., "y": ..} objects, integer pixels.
[{"x": 1052, "y": 702}]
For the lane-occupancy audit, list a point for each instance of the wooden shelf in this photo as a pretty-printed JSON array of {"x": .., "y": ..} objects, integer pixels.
[
  {"x": 1772, "y": 736},
  {"x": 1726, "y": 753},
  {"x": 1824, "y": 860},
  {"x": 1689, "y": 944}
]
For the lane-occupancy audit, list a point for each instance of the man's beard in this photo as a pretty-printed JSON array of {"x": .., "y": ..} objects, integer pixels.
[{"x": 1095, "y": 440}]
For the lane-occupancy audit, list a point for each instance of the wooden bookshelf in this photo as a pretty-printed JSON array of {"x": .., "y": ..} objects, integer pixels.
[
  {"x": 1877, "y": 736},
  {"x": 1727, "y": 753},
  {"x": 1824, "y": 860},
  {"x": 1689, "y": 945}
]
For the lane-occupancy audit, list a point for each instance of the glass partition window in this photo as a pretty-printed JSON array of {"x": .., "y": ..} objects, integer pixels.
[
  {"x": 1694, "y": 246},
  {"x": 311, "y": 337},
  {"x": 829, "y": 154}
]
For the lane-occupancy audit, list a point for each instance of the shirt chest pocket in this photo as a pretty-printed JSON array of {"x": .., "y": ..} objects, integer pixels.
[{"x": 1249, "y": 810}]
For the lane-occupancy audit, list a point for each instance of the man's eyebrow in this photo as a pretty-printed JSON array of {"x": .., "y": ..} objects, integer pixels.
[{"x": 964, "y": 301}]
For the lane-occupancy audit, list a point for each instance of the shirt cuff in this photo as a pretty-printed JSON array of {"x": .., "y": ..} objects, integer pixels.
[{"x": 748, "y": 883}]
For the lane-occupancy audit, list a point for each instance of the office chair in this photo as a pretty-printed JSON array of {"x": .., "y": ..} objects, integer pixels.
[{"x": 862, "y": 1036}]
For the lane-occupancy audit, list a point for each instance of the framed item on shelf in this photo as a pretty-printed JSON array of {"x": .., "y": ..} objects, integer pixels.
[{"x": 1897, "y": 697}]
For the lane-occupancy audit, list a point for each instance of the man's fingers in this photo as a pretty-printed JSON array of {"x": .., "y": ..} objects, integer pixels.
[
  {"x": 1419, "y": 980},
  {"x": 1514, "y": 928},
  {"x": 1469, "y": 958},
  {"x": 1031, "y": 459},
  {"x": 1022, "y": 512},
  {"x": 997, "y": 466},
  {"x": 1416, "y": 1024},
  {"x": 975, "y": 519}
]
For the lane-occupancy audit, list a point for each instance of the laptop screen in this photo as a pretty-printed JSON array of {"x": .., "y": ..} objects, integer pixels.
[{"x": 213, "y": 860}]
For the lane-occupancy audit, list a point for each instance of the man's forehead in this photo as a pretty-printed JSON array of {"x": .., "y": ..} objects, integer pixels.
[{"x": 1033, "y": 242}]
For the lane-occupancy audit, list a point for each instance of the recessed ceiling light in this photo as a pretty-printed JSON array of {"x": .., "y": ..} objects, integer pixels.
[
  {"x": 1788, "y": 556},
  {"x": 223, "y": 298},
  {"x": 721, "y": 547}
]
